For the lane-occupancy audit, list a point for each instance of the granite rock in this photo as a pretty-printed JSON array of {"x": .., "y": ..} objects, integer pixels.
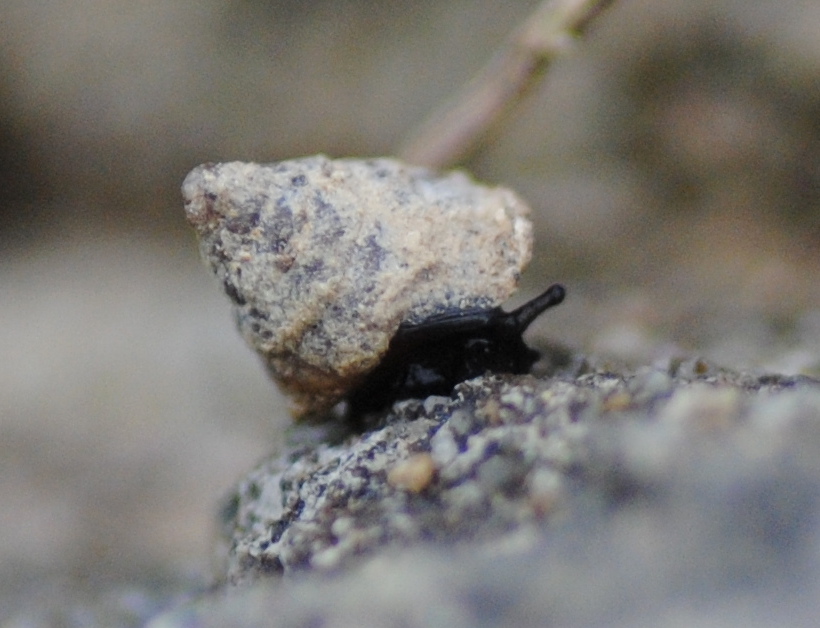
[
  {"x": 503, "y": 455},
  {"x": 665, "y": 495}
]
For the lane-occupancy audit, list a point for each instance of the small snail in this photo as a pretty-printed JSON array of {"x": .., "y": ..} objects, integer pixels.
[{"x": 366, "y": 280}]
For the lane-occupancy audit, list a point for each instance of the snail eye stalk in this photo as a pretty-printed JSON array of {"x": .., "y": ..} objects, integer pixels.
[{"x": 523, "y": 317}]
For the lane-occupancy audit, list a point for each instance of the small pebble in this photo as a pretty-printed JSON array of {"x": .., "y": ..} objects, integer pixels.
[{"x": 414, "y": 474}]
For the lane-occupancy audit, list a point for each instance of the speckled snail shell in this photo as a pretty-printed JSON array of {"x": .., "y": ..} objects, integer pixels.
[{"x": 325, "y": 259}]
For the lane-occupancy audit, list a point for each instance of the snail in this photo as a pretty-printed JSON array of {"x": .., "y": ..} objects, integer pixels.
[{"x": 366, "y": 280}]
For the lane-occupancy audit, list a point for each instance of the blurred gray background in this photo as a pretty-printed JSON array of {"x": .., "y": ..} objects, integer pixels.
[{"x": 672, "y": 163}]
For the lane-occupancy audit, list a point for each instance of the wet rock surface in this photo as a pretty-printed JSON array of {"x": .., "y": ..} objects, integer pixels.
[{"x": 600, "y": 494}]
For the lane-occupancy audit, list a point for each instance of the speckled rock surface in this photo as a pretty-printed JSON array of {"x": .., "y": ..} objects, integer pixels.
[
  {"x": 499, "y": 459},
  {"x": 669, "y": 495},
  {"x": 324, "y": 259}
]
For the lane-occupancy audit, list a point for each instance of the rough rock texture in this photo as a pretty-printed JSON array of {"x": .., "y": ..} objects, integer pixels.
[
  {"x": 664, "y": 496},
  {"x": 498, "y": 456},
  {"x": 324, "y": 259},
  {"x": 318, "y": 506}
]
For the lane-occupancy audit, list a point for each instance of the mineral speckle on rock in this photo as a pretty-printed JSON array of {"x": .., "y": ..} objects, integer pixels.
[{"x": 324, "y": 259}]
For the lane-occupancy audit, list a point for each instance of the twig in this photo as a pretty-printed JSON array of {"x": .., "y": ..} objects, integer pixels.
[{"x": 462, "y": 125}]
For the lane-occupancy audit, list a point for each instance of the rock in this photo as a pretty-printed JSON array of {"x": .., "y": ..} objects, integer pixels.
[
  {"x": 601, "y": 496},
  {"x": 324, "y": 259},
  {"x": 494, "y": 459},
  {"x": 414, "y": 474}
]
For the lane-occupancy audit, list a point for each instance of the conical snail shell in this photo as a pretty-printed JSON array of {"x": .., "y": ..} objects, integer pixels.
[{"x": 324, "y": 259}]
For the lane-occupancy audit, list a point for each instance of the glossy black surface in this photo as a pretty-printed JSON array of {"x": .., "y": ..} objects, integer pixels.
[{"x": 432, "y": 357}]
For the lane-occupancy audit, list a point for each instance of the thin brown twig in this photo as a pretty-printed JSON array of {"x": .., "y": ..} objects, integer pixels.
[{"x": 461, "y": 126}]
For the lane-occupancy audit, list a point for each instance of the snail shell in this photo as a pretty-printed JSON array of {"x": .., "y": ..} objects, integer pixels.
[{"x": 324, "y": 259}]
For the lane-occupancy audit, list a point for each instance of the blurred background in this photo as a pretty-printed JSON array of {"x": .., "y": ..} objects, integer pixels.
[{"x": 672, "y": 163}]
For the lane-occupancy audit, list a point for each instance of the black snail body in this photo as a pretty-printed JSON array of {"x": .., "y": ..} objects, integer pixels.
[{"x": 431, "y": 357}]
